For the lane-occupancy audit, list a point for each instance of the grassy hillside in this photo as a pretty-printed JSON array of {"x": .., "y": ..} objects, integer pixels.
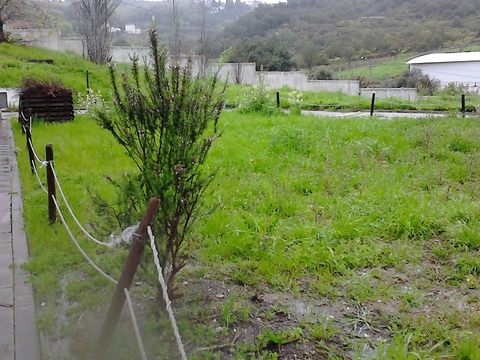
[
  {"x": 68, "y": 68},
  {"x": 383, "y": 68},
  {"x": 318, "y": 32},
  {"x": 380, "y": 69}
]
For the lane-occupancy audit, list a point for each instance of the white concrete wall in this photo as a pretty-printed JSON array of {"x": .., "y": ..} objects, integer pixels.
[
  {"x": 386, "y": 93},
  {"x": 123, "y": 53},
  {"x": 299, "y": 80},
  {"x": 74, "y": 44},
  {"x": 277, "y": 79},
  {"x": 44, "y": 38},
  {"x": 246, "y": 72},
  {"x": 465, "y": 72},
  {"x": 12, "y": 96}
]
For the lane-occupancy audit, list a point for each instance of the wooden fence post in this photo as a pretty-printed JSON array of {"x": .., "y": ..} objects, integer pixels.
[
  {"x": 125, "y": 281},
  {"x": 463, "y": 105},
  {"x": 31, "y": 157},
  {"x": 20, "y": 120},
  {"x": 372, "y": 105},
  {"x": 278, "y": 99},
  {"x": 52, "y": 210}
]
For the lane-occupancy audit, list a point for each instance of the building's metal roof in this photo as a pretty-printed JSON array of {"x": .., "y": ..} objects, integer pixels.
[{"x": 446, "y": 58}]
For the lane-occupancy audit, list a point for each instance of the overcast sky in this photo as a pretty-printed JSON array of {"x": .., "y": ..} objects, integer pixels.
[{"x": 265, "y": 1}]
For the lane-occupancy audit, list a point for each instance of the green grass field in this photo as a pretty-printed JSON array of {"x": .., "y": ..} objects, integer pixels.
[
  {"x": 381, "y": 69},
  {"x": 321, "y": 238},
  {"x": 322, "y": 100}
]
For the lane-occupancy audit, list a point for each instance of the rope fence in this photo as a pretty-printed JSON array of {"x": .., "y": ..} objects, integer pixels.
[
  {"x": 87, "y": 234},
  {"x": 42, "y": 162},
  {"x": 168, "y": 303},
  {"x": 90, "y": 261},
  {"x": 48, "y": 164},
  {"x": 40, "y": 181},
  {"x": 135, "y": 324}
]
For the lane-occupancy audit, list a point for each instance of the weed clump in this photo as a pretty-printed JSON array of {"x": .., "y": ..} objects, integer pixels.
[
  {"x": 35, "y": 86},
  {"x": 256, "y": 99}
]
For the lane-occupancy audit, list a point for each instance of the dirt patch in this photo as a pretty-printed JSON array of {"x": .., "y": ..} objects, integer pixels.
[{"x": 220, "y": 318}]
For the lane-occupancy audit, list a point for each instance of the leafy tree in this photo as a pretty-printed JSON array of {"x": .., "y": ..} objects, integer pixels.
[
  {"x": 12, "y": 10},
  {"x": 310, "y": 56},
  {"x": 416, "y": 79},
  {"x": 121, "y": 41},
  {"x": 167, "y": 122},
  {"x": 269, "y": 55},
  {"x": 321, "y": 74}
]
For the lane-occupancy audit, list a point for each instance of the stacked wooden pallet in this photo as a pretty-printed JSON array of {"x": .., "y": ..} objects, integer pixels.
[{"x": 50, "y": 105}]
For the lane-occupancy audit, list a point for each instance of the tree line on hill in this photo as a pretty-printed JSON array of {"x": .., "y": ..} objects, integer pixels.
[
  {"x": 300, "y": 34},
  {"x": 320, "y": 32}
]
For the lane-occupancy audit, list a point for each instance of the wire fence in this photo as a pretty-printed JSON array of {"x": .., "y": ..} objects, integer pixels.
[{"x": 48, "y": 164}]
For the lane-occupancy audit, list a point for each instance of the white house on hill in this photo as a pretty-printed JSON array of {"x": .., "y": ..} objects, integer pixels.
[
  {"x": 130, "y": 28},
  {"x": 448, "y": 68}
]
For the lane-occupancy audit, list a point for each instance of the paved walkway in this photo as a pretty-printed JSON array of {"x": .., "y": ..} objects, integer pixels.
[
  {"x": 379, "y": 114},
  {"x": 18, "y": 332},
  {"x": 387, "y": 115}
]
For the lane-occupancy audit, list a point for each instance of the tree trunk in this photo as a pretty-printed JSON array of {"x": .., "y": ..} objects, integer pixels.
[{"x": 3, "y": 38}]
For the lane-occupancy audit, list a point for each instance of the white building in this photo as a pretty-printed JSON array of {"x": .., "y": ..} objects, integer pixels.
[
  {"x": 130, "y": 28},
  {"x": 448, "y": 68}
]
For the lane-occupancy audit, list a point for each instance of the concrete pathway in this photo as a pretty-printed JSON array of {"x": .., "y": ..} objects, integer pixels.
[
  {"x": 379, "y": 114},
  {"x": 387, "y": 115},
  {"x": 18, "y": 332}
]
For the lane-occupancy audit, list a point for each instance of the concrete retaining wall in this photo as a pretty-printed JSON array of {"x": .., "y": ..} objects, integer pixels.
[
  {"x": 386, "y": 93},
  {"x": 299, "y": 80},
  {"x": 50, "y": 39},
  {"x": 12, "y": 96},
  {"x": 276, "y": 79},
  {"x": 73, "y": 44},
  {"x": 123, "y": 53},
  {"x": 44, "y": 38},
  {"x": 244, "y": 72}
]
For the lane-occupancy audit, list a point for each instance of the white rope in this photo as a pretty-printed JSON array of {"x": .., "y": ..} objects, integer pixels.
[
  {"x": 23, "y": 116},
  {"x": 43, "y": 162},
  {"x": 38, "y": 178},
  {"x": 168, "y": 303},
  {"x": 78, "y": 246},
  {"x": 126, "y": 236},
  {"x": 25, "y": 120},
  {"x": 135, "y": 325},
  {"x": 73, "y": 215}
]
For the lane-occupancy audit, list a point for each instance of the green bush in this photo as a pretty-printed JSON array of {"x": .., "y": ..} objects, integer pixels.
[{"x": 167, "y": 123}]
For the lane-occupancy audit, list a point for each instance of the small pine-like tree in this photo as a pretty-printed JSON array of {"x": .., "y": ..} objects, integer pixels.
[{"x": 167, "y": 122}]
